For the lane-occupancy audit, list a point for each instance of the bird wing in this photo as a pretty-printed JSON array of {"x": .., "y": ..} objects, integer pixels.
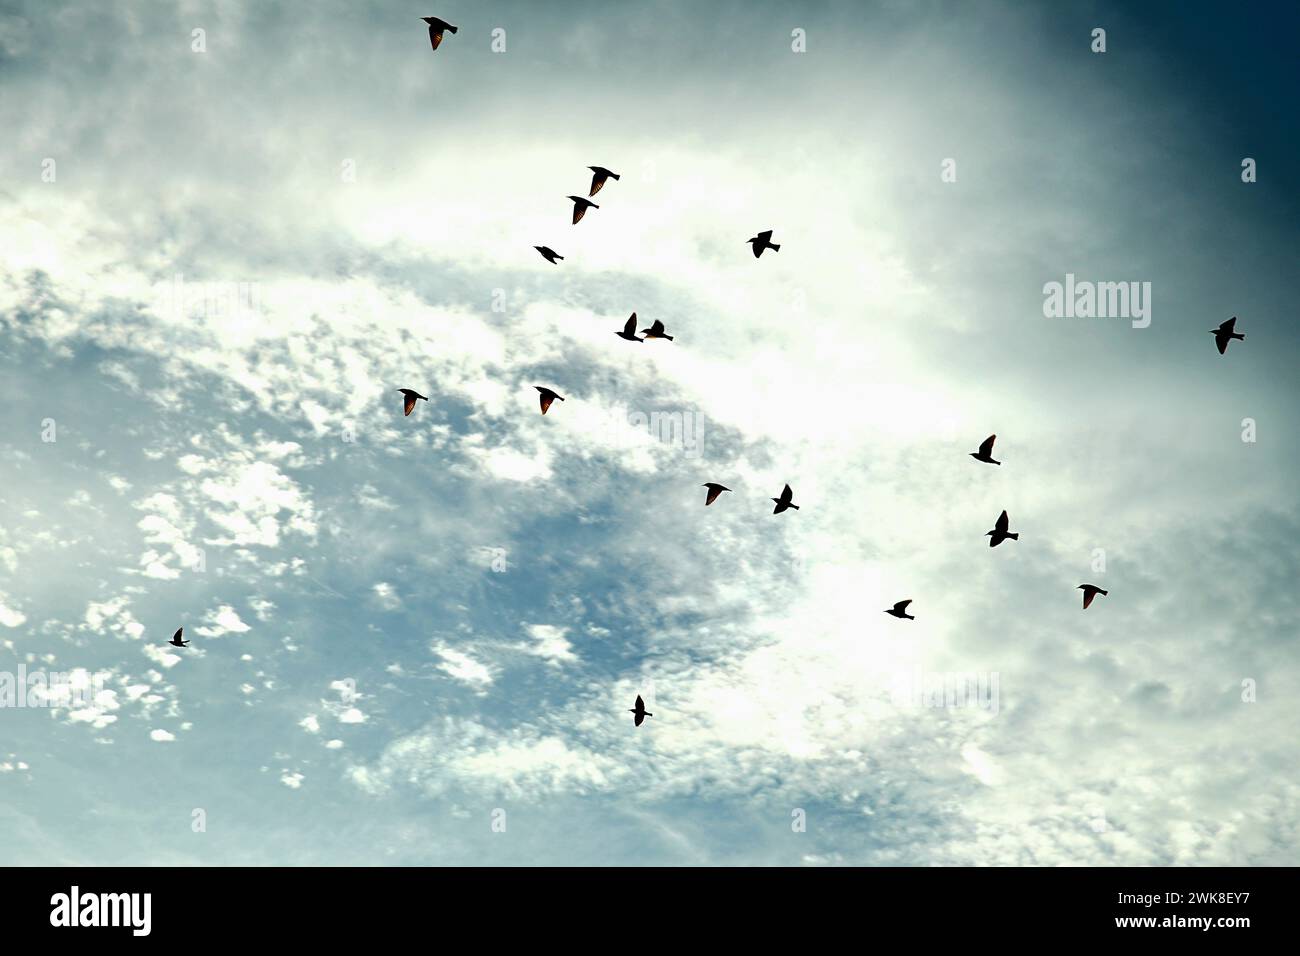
[
  {"x": 1003, "y": 523},
  {"x": 1088, "y": 595},
  {"x": 629, "y": 327},
  {"x": 765, "y": 236},
  {"x": 1221, "y": 339},
  {"x": 902, "y": 605},
  {"x": 177, "y": 635},
  {"x": 787, "y": 494},
  {"x": 640, "y": 704},
  {"x": 1230, "y": 325},
  {"x": 409, "y": 403},
  {"x": 578, "y": 212},
  {"x": 757, "y": 247},
  {"x": 546, "y": 401},
  {"x": 597, "y": 180},
  {"x": 657, "y": 327},
  {"x": 986, "y": 449},
  {"x": 713, "y": 495},
  {"x": 435, "y": 35}
]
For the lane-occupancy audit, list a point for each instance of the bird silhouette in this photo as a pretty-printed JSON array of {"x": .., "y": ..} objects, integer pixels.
[
  {"x": 1000, "y": 532},
  {"x": 547, "y": 396},
  {"x": 629, "y": 330},
  {"x": 436, "y": 27},
  {"x": 1090, "y": 591},
  {"x": 985, "y": 454},
  {"x": 715, "y": 489},
  {"x": 411, "y": 395},
  {"x": 600, "y": 175},
  {"x": 1225, "y": 333},
  {"x": 549, "y": 254},
  {"x": 656, "y": 331},
  {"x": 763, "y": 241},
  {"x": 176, "y": 639},
  {"x": 640, "y": 711},
  {"x": 580, "y": 207},
  {"x": 785, "y": 501},
  {"x": 900, "y": 610}
]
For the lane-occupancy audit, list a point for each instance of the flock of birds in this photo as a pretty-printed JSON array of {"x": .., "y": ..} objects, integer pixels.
[{"x": 1000, "y": 532}]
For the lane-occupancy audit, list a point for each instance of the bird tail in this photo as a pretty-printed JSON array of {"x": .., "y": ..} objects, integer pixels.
[
  {"x": 1238, "y": 335},
  {"x": 1014, "y": 537},
  {"x": 774, "y": 247},
  {"x": 1100, "y": 591},
  {"x": 451, "y": 28},
  {"x": 795, "y": 507},
  {"x": 668, "y": 337}
]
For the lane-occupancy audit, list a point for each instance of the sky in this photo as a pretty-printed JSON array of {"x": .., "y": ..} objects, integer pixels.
[{"x": 415, "y": 641}]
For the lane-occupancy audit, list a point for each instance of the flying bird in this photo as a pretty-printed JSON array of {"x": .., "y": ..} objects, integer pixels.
[
  {"x": 1225, "y": 333},
  {"x": 1090, "y": 591},
  {"x": 411, "y": 395},
  {"x": 580, "y": 207},
  {"x": 656, "y": 331},
  {"x": 436, "y": 27},
  {"x": 785, "y": 501},
  {"x": 715, "y": 489},
  {"x": 900, "y": 610},
  {"x": 176, "y": 638},
  {"x": 1000, "y": 532},
  {"x": 763, "y": 241},
  {"x": 547, "y": 397},
  {"x": 600, "y": 176},
  {"x": 629, "y": 330},
  {"x": 985, "y": 454},
  {"x": 549, "y": 254},
  {"x": 640, "y": 711}
]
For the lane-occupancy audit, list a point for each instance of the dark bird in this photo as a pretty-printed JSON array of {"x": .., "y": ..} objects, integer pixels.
[
  {"x": 411, "y": 395},
  {"x": 1000, "y": 532},
  {"x": 656, "y": 331},
  {"x": 763, "y": 241},
  {"x": 1090, "y": 591},
  {"x": 547, "y": 397},
  {"x": 580, "y": 207},
  {"x": 436, "y": 27},
  {"x": 640, "y": 711},
  {"x": 715, "y": 489},
  {"x": 785, "y": 501},
  {"x": 1225, "y": 333},
  {"x": 176, "y": 638},
  {"x": 600, "y": 176},
  {"x": 629, "y": 330},
  {"x": 985, "y": 454},
  {"x": 549, "y": 254},
  {"x": 900, "y": 610}
]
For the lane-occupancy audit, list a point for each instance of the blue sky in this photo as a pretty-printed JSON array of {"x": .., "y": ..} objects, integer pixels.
[{"x": 402, "y": 625}]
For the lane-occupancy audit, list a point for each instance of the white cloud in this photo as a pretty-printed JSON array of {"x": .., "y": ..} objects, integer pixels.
[
  {"x": 550, "y": 643},
  {"x": 462, "y": 667},
  {"x": 223, "y": 620}
]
